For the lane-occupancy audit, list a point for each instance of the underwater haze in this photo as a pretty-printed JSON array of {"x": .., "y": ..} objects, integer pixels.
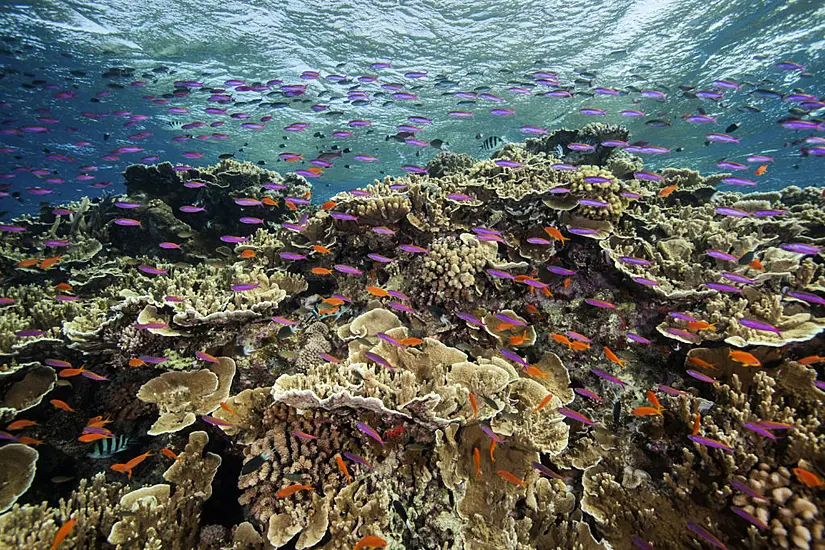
[{"x": 517, "y": 275}]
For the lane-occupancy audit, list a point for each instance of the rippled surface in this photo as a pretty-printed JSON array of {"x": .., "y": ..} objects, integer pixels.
[{"x": 657, "y": 44}]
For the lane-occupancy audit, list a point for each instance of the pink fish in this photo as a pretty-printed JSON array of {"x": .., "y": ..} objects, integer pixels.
[
  {"x": 347, "y": 269},
  {"x": 369, "y": 431},
  {"x": 574, "y": 415}
]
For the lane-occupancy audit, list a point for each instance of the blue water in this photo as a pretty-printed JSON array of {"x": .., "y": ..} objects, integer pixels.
[{"x": 54, "y": 46}]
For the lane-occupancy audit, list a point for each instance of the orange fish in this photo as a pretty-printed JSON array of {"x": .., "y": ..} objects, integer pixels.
[
  {"x": 667, "y": 190},
  {"x": 317, "y": 170},
  {"x": 701, "y": 363},
  {"x": 292, "y": 489},
  {"x": 227, "y": 408},
  {"x": 653, "y": 400},
  {"x": 810, "y": 479},
  {"x": 328, "y": 311},
  {"x": 533, "y": 370},
  {"x": 63, "y": 286},
  {"x": 756, "y": 264},
  {"x": 98, "y": 422},
  {"x": 88, "y": 438},
  {"x": 811, "y": 360},
  {"x": 333, "y": 301},
  {"x": 474, "y": 404},
  {"x": 269, "y": 202},
  {"x": 63, "y": 532},
  {"x": 579, "y": 346},
  {"x": 121, "y": 468},
  {"x": 168, "y": 453},
  {"x": 613, "y": 357},
  {"x": 561, "y": 339},
  {"x": 136, "y": 362},
  {"x": 646, "y": 411},
  {"x": 700, "y": 325},
  {"x": 321, "y": 271},
  {"x": 747, "y": 359},
  {"x": 761, "y": 170},
  {"x": 58, "y": 404},
  {"x": 507, "y": 476},
  {"x": 48, "y": 262},
  {"x": 20, "y": 424},
  {"x": 370, "y": 541},
  {"x": 28, "y": 263},
  {"x": 534, "y": 311},
  {"x": 492, "y": 450},
  {"x": 477, "y": 461},
  {"x": 343, "y": 467},
  {"x": 410, "y": 341},
  {"x": 543, "y": 403},
  {"x": 66, "y": 373},
  {"x": 25, "y": 440},
  {"x": 248, "y": 253},
  {"x": 329, "y": 205},
  {"x": 505, "y": 326},
  {"x": 555, "y": 234},
  {"x": 137, "y": 460},
  {"x": 321, "y": 249},
  {"x": 290, "y": 205},
  {"x": 567, "y": 282},
  {"x": 518, "y": 339},
  {"x": 376, "y": 291},
  {"x": 697, "y": 423}
]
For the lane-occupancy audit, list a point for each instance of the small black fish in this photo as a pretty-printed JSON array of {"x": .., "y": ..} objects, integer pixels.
[
  {"x": 225, "y": 156},
  {"x": 255, "y": 463},
  {"x": 732, "y": 128}
]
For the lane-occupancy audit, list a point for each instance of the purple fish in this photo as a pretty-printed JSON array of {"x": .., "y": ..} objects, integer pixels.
[
  {"x": 343, "y": 217},
  {"x": 390, "y": 339},
  {"x": 413, "y": 249},
  {"x": 506, "y": 319},
  {"x": 588, "y": 393},
  {"x": 347, "y": 269},
  {"x": 126, "y": 222},
  {"x": 379, "y": 258},
  {"x": 459, "y": 197},
  {"x": 748, "y": 517},
  {"x": 759, "y": 429},
  {"x": 245, "y": 287},
  {"x": 369, "y": 431},
  {"x": 400, "y": 307},
  {"x": 582, "y": 230},
  {"x": 701, "y": 377},
  {"x": 801, "y": 248},
  {"x": 806, "y": 297},
  {"x": 747, "y": 490},
  {"x": 641, "y": 543},
  {"x": 487, "y": 430},
  {"x": 768, "y": 213},
  {"x": 564, "y": 168},
  {"x": 233, "y": 239},
  {"x": 721, "y": 287},
  {"x": 251, "y": 221},
  {"x": 291, "y": 256},
  {"x": 580, "y": 147},
  {"x": 191, "y": 209},
  {"x": 504, "y": 163},
  {"x": 759, "y": 325},
  {"x": 732, "y": 212},
  {"x": 702, "y": 532},
  {"x": 736, "y": 278},
  {"x": 500, "y": 274},
  {"x": 710, "y": 443},
  {"x": 597, "y": 179},
  {"x": 539, "y": 241},
  {"x": 644, "y": 281},
  {"x": 151, "y": 270},
  {"x": 721, "y": 138},
  {"x": 513, "y": 357},
  {"x": 607, "y": 376},
  {"x": 470, "y": 319},
  {"x": 600, "y": 303},
  {"x": 574, "y": 415},
  {"x": 28, "y": 332},
  {"x": 682, "y": 316},
  {"x": 358, "y": 460},
  {"x": 561, "y": 271},
  {"x": 375, "y": 358},
  {"x": 670, "y": 390},
  {"x": 547, "y": 472},
  {"x": 634, "y": 261},
  {"x": 719, "y": 255},
  {"x": 638, "y": 339}
]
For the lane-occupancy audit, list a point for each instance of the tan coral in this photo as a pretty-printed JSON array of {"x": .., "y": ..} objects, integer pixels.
[
  {"x": 181, "y": 396},
  {"x": 17, "y": 468}
]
